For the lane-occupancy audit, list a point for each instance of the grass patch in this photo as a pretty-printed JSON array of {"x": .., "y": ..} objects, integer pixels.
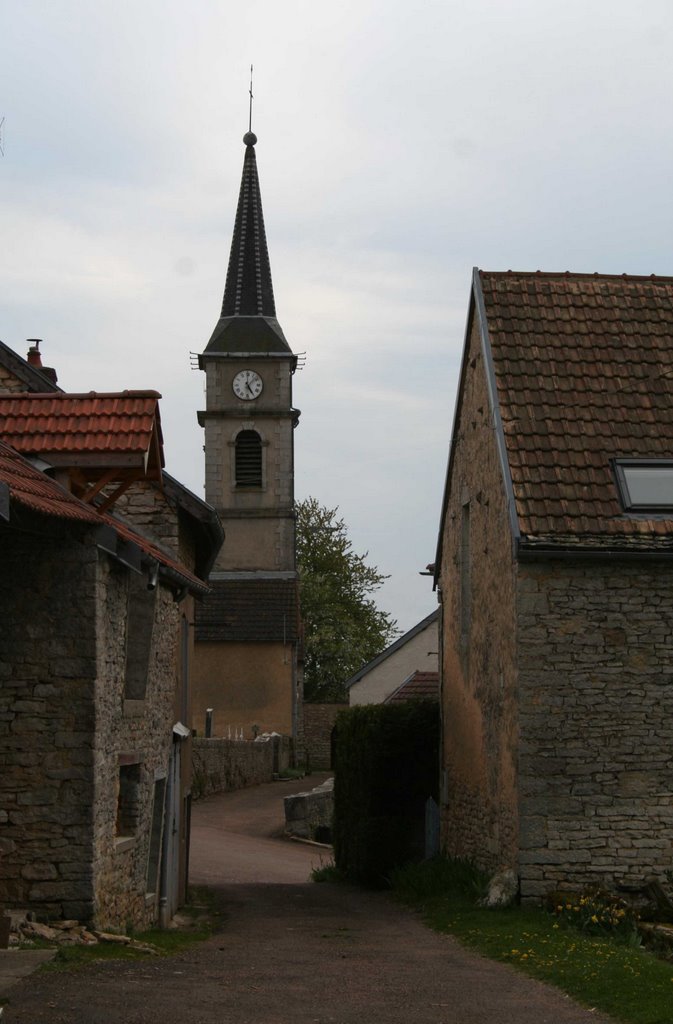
[
  {"x": 626, "y": 982},
  {"x": 327, "y": 873},
  {"x": 196, "y": 922},
  {"x": 288, "y": 774}
]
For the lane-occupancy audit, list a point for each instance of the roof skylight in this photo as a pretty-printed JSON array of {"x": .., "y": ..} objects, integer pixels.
[{"x": 645, "y": 484}]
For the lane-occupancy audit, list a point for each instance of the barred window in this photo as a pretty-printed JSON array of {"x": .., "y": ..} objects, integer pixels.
[{"x": 248, "y": 459}]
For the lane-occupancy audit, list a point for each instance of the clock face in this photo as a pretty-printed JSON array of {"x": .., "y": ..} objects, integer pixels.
[{"x": 247, "y": 385}]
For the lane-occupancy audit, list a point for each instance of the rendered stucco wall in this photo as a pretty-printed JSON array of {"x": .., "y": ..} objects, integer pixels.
[
  {"x": 596, "y": 719},
  {"x": 479, "y": 722},
  {"x": 420, "y": 653},
  {"x": 246, "y": 685}
]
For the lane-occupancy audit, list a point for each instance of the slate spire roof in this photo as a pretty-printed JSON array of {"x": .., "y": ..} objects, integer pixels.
[{"x": 248, "y": 319}]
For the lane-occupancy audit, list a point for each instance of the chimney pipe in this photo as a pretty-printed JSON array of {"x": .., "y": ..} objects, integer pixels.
[{"x": 34, "y": 358}]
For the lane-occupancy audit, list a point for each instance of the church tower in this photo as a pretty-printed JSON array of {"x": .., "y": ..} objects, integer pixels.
[{"x": 247, "y": 629}]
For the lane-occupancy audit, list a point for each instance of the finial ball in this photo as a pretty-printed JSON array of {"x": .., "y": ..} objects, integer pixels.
[{"x": 250, "y": 138}]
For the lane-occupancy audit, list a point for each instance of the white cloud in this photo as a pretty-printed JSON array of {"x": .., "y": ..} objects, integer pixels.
[{"x": 400, "y": 144}]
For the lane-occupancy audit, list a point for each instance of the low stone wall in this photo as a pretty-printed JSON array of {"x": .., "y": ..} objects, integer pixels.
[
  {"x": 309, "y": 815},
  {"x": 220, "y": 766},
  {"x": 319, "y": 722}
]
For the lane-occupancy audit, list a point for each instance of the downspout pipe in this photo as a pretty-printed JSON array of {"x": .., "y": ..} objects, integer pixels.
[{"x": 164, "y": 915}]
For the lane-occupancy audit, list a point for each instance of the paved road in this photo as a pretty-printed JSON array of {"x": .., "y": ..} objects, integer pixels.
[
  {"x": 239, "y": 837},
  {"x": 293, "y": 952}
]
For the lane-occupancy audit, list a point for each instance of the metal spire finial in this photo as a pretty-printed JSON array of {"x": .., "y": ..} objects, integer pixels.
[
  {"x": 250, "y": 138},
  {"x": 250, "y": 91}
]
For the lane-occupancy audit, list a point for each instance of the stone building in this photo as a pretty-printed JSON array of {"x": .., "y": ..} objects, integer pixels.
[
  {"x": 417, "y": 650},
  {"x": 247, "y": 630},
  {"x": 554, "y": 574},
  {"x": 94, "y": 655}
]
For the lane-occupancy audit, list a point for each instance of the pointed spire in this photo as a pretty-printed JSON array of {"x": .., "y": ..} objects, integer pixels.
[
  {"x": 249, "y": 291},
  {"x": 248, "y": 319}
]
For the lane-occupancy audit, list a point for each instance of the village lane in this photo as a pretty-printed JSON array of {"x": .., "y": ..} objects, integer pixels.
[{"x": 292, "y": 951}]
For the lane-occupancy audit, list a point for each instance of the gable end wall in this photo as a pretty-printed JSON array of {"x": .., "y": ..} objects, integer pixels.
[{"x": 479, "y": 797}]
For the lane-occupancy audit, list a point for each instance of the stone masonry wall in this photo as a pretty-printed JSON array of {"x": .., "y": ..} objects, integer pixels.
[
  {"x": 129, "y": 732},
  {"x": 150, "y": 512},
  {"x": 479, "y": 737},
  {"x": 47, "y": 677},
  {"x": 66, "y": 729},
  {"x": 259, "y": 522},
  {"x": 319, "y": 720},
  {"x": 8, "y": 382},
  {"x": 596, "y": 720}
]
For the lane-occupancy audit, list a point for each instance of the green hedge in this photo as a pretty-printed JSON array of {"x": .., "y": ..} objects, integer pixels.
[{"x": 387, "y": 765}]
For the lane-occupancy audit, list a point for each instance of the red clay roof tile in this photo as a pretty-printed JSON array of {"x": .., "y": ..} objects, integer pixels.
[
  {"x": 418, "y": 686},
  {"x": 94, "y": 423},
  {"x": 33, "y": 490}
]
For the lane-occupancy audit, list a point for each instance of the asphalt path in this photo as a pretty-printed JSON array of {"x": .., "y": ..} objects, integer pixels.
[
  {"x": 292, "y": 951},
  {"x": 240, "y": 837}
]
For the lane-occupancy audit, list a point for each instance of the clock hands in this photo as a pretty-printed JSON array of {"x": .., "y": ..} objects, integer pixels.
[{"x": 247, "y": 385}]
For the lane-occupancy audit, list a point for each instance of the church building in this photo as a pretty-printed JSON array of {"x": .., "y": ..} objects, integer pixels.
[{"x": 247, "y": 629}]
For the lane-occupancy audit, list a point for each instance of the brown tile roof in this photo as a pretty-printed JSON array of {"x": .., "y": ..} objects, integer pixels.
[
  {"x": 95, "y": 424},
  {"x": 249, "y": 610},
  {"x": 584, "y": 373},
  {"x": 419, "y": 686},
  {"x": 30, "y": 488}
]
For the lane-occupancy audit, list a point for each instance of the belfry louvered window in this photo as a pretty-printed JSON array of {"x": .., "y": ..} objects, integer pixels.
[{"x": 248, "y": 459}]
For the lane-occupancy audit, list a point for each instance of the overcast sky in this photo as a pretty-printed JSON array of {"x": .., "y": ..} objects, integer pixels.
[{"x": 400, "y": 144}]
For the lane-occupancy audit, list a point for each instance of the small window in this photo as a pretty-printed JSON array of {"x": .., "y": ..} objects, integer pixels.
[
  {"x": 140, "y": 622},
  {"x": 248, "y": 459},
  {"x": 128, "y": 800},
  {"x": 645, "y": 485}
]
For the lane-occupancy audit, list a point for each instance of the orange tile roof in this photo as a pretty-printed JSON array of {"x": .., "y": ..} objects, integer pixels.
[
  {"x": 583, "y": 366},
  {"x": 75, "y": 424},
  {"x": 33, "y": 490}
]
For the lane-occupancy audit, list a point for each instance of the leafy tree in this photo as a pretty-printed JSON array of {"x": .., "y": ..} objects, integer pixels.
[{"x": 343, "y": 628}]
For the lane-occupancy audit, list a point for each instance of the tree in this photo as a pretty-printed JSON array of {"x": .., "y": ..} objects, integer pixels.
[{"x": 343, "y": 628}]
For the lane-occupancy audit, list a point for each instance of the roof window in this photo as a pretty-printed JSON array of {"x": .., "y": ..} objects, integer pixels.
[{"x": 645, "y": 484}]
